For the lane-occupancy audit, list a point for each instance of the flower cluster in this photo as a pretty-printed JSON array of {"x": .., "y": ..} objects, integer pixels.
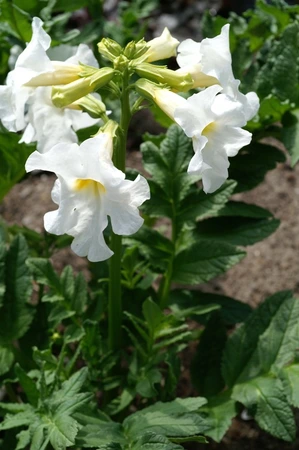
[{"x": 50, "y": 100}]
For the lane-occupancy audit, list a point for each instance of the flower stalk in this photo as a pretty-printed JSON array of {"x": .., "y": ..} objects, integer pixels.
[{"x": 115, "y": 295}]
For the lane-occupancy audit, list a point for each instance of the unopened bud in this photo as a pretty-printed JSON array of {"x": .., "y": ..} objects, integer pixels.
[
  {"x": 135, "y": 50},
  {"x": 109, "y": 48},
  {"x": 65, "y": 95},
  {"x": 62, "y": 74},
  {"x": 160, "y": 74}
]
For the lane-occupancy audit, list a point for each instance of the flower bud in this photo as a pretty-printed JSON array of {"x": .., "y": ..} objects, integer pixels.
[
  {"x": 161, "y": 47},
  {"x": 160, "y": 74},
  {"x": 90, "y": 104},
  {"x": 69, "y": 93},
  {"x": 135, "y": 50},
  {"x": 165, "y": 99},
  {"x": 63, "y": 74},
  {"x": 109, "y": 48}
]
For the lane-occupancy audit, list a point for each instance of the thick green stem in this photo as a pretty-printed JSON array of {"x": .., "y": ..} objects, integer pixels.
[{"x": 115, "y": 312}]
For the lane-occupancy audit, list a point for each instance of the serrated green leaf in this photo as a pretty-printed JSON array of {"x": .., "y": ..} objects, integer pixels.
[
  {"x": 168, "y": 419},
  {"x": 62, "y": 431},
  {"x": 16, "y": 314},
  {"x": 156, "y": 248},
  {"x": 290, "y": 134},
  {"x": 252, "y": 163},
  {"x": 203, "y": 261},
  {"x": 153, "y": 441},
  {"x": 273, "y": 413},
  {"x": 168, "y": 164},
  {"x": 100, "y": 434},
  {"x": 221, "y": 410},
  {"x": 19, "y": 419},
  {"x": 233, "y": 311},
  {"x": 290, "y": 380},
  {"x": 44, "y": 273},
  {"x": 277, "y": 345},
  {"x": 24, "y": 439},
  {"x": 236, "y": 230},
  {"x": 241, "y": 359},
  {"x": 200, "y": 205},
  {"x": 241, "y": 209}
]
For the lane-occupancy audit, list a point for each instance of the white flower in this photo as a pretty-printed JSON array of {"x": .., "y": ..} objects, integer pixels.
[
  {"x": 214, "y": 59},
  {"x": 88, "y": 190},
  {"x": 214, "y": 124},
  {"x": 161, "y": 47},
  {"x": 48, "y": 125},
  {"x": 33, "y": 66}
]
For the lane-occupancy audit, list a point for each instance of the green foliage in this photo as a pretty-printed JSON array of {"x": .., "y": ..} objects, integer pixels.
[
  {"x": 50, "y": 420},
  {"x": 15, "y": 292},
  {"x": 13, "y": 157}
]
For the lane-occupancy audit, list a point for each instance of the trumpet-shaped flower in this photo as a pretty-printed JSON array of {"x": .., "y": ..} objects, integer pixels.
[
  {"x": 214, "y": 123},
  {"x": 161, "y": 47},
  {"x": 33, "y": 66},
  {"x": 214, "y": 59},
  {"x": 88, "y": 190}
]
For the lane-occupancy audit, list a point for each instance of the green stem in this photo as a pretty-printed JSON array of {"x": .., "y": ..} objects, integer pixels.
[
  {"x": 115, "y": 312},
  {"x": 166, "y": 281}
]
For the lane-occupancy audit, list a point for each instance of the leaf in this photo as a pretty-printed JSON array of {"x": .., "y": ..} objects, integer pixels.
[
  {"x": 272, "y": 109},
  {"x": 203, "y": 261},
  {"x": 44, "y": 273},
  {"x": 62, "y": 431},
  {"x": 242, "y": 357},
  {"x": 281, "y": 65},
  {"x": 154, "y": 441},
  {"x": 236, "y": 230},
  {"x": 252, "y": 163},
  {"x": 6, "y": 358},
  {"x": 18, "y": 19},
  {"x": 233, "y": 311},
  {"x": 156, "y": 248},
  {"x": 16, "y": 314},
  {"x": 19, "y": 419},
  {"x": 200, "y": 205},
  {"x": 153, "y": 315},
  {"x": 100, "y": 434},
  {"x": 176, "y": 418},
  {"x": 273, "y": 414},
  {"x": 28, "y": 384},
  {"x": 13, "y": 157},
  {"x": 290, "y": 380},
  {"x": 290, "y": 134},
  {"x": 206, "y": 366},
  {"x": 167, "y": 163},
  {"x": 221, "y": 410},
  {"x": 23, "y": 439}
]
